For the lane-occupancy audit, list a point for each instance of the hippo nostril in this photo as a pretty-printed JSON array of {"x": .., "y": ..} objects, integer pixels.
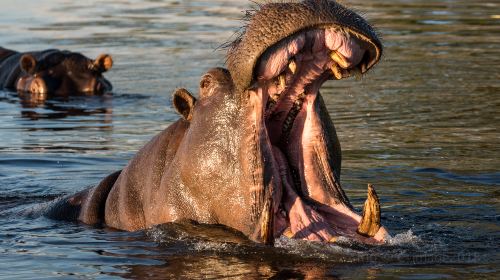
[{"x": 38, "y": 86}]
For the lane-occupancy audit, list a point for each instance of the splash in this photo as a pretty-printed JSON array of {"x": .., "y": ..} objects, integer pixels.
[
  {"x": 200, "y": 238},
  {"x": 209, "y": 239},
  {"x": 405, "y": 238},
  {"x": 403, "y": 248}
]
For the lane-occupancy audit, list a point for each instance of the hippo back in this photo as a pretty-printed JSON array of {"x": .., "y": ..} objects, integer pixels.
[{"x": 9, "y": 67}]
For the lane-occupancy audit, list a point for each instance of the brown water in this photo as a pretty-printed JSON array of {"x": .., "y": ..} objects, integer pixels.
[{"x": 423, "y": 127}]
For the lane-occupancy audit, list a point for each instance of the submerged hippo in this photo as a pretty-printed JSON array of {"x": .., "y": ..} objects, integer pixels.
[
  {"x": 257, "y": 151},
  {"x": 53, "y": 73}
]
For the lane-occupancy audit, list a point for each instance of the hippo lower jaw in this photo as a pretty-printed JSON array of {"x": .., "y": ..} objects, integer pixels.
[{"x": 309, "y": 202}]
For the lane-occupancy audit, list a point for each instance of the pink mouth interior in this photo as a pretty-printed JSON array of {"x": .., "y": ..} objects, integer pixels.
[{"x": 295, "y": 132}]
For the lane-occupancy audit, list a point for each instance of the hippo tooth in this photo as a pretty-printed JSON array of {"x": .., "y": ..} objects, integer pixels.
[
  {"x": 292, "y": 66},
  {"x": 288, "y": 233},
  {"x": 339, "y": 59},
  {"x": 267, "y": 222},
  {"x": 336, "y": 71},
  {"x": 282, "y": 80},
  {"x": 333, "y": 239},
  {"x": 273, "y": 98},
  {"x": 290, "y": 118},
  {"x": 370, "y": 223}
]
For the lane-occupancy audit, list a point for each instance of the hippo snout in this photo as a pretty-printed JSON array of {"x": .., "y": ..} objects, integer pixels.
[{"x": 34, "y": 85}]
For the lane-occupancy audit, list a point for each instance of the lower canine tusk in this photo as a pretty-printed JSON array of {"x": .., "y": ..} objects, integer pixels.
[
  {"x": 267, "y": 222},
  {"x": 339, "y": 59},
  {"x": 282, "y": 80},
  {"x": 370, "y": 223},
  {"x": 288, "y": 233},
  {"x": 293, "y": 66},
  {"x": 336, "y": 71}
]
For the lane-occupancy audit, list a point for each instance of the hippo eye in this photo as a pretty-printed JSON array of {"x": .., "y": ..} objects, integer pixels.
[
  {"x": 70, "y": 73},
  {"x": 51, "y": 72}
]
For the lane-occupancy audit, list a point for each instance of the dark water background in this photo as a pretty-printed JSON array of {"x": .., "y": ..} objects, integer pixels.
[{"x": 423, "y": 127}]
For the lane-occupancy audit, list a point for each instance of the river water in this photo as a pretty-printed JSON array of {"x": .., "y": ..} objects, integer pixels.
[{"x": 423, "y": 127}]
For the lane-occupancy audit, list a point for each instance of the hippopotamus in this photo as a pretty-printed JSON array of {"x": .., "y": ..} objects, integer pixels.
[
  {"x": 257, "y": 150},
  {"x": 54, "y": 73}
]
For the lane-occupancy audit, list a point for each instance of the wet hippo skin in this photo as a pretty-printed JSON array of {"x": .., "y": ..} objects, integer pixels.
[
  {"x": 257, "y": 151},
  {"x": 53, "y": 73}
]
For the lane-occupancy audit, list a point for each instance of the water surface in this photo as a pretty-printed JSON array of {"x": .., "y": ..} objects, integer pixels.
[{"x": 423, "y": 127}]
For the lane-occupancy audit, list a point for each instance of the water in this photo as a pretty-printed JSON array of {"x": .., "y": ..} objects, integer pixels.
[{"x": 423, "y": 127}]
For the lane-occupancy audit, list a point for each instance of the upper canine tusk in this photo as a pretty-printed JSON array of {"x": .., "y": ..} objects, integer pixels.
[
  {"x": 293, "y": 66},
  {"x": 339, "y": 59},
  {"x": 370, "y": 223},
  {"x": 336, "y": 71},
  {"x": 282, "y": 81}
]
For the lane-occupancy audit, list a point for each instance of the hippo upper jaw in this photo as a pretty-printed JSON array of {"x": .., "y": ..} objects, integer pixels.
[
  {"x": 297, "y": 167},
  {"x": 273, "y": 22}
]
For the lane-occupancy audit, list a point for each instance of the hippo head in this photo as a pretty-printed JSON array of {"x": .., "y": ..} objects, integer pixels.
[
  {"x": 62, "y": 73},
  {"x": 266, "y": 111}
]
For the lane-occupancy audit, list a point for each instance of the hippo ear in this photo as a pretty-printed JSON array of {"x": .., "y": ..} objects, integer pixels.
[
  {"x": 28, "y": 63},
  {"x": 184, "y": 103},
  {"x": 103, "y": 63}
]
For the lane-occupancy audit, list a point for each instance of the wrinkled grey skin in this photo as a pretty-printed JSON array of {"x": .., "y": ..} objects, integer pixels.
[{"x": 213, "y": 165}]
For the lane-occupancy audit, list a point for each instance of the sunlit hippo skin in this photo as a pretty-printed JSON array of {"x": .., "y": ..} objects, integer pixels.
[
  {"x": 257, "y": 151},
  {"x": 51, "y": 73}
]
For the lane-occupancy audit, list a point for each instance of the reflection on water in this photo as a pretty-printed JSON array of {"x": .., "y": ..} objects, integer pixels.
[
  {"x": 61, "y": 107},
  {"x": 423, "y": 127}
]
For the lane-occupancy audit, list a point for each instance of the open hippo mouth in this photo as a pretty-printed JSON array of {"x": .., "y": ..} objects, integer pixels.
[{"x": 293, "y": 130}]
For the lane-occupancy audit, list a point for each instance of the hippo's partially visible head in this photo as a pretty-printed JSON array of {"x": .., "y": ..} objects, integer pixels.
[
  {"x": 63, "y": 73},
  {"x": 268, "y": 110}
]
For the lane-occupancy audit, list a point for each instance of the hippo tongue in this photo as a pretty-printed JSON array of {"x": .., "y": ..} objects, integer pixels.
[{"x": 319, "y": 222}]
